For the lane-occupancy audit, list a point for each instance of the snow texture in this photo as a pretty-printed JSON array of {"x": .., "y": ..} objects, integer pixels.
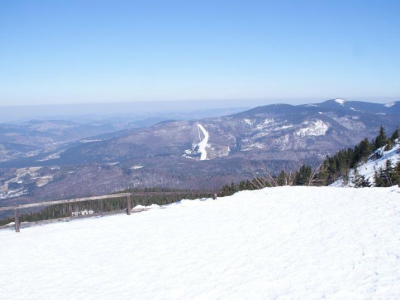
[{"x": 286, "y": 243}]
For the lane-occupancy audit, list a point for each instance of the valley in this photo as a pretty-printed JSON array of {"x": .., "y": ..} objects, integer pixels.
[{"x": 206, "y": 153}]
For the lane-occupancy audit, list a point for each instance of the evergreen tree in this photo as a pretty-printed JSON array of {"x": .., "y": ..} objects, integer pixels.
[
  {"x": 322, "y": 175},
  {"x": 365, "y": 149},
  {"x": 381, "y": 139},
  {"x": 381, "y": 178},
  {"x": 359, "y": 181},
  {"x": 365, "y": 182},
  {"x": 396, "y": 174},
  {"x": 389, "y": 170},
  {"x": 377, "y": 179},
  {"x": 396, "y": 134},
  {"x": 282, "y": 178},
  {"x": 302, "y": 176},
  {"x": 356, "y": 177}
]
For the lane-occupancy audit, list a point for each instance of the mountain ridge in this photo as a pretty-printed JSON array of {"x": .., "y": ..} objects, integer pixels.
[{"x": 239, "y": 146}]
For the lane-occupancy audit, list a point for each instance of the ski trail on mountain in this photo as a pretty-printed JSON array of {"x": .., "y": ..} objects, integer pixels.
[{"x": 202, "y": 145}]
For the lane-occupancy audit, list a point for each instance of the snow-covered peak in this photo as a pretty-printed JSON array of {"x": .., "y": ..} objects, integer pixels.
[{"x": 340, "y": 101}]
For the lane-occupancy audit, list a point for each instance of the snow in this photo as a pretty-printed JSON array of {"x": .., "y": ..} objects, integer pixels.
[
  {"x": 203, "y": 142},
  {"x": 286, "y": 243},
  {"x": 5, "y": 192},
  {"x": 90, "y": 141},
  {"x": 199, "y": 148},
  {"x": 389, "y": 104},
  {"x": 253, "y": 146},
  {"x": 340, "y": 101},
  {"x": 347, "y": 121},
  {"x": 285, "y": 127},
  {"x": 248, "y": 121},
  {"x": 136, "y": 167},
  {"x": 139, "y": 207},
  {"x": 50, "y": 157},
  {"x": 268, "y": 122},
  {"x": 42, "y": 181},
  {"x": 314, "y": 128}
]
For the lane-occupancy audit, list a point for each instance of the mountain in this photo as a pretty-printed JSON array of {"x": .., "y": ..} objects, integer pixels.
[
  {"x": 210, "y": 152},
  {"x": 39, "y": 138},
  {"x": 36, "y": 140},
  {"x": 273, "y": 132}
]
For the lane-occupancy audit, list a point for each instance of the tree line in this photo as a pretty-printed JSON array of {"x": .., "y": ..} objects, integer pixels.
[
  {"x": 163, "y": 196},
  {"x": 339, "y": 165}
]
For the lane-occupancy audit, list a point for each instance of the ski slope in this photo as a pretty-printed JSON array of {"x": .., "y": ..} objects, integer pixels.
[
  {"x": 275, "y": 243},
  {"x": 203, "y": 142}
]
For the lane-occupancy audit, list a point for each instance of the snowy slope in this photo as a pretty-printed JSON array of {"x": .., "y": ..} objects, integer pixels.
[
  {"x": 203, "y": 142},
  {"x": 286, "y": 242},
  {"x": 368, "y": 169}
]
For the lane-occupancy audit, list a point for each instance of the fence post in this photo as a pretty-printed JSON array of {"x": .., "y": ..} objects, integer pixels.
[
  {"x": 215, "y": 196},
  {"x": 16, "y": 219},
  {"x": 128, "y": 205}
]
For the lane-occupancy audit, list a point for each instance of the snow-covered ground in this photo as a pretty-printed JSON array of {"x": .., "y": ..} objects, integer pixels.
[{"x": 275, "y": 243}]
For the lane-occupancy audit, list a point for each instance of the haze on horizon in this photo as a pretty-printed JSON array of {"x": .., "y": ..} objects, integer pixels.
[{"x": 233, "y": 52}]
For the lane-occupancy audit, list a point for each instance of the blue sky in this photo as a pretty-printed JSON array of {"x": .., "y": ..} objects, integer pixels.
[{"x": 61, "y": 52}]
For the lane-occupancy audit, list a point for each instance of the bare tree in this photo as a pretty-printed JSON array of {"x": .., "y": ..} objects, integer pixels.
[
  {"x": 265, "y": 179},
  {"x": 313, "y": 180}
]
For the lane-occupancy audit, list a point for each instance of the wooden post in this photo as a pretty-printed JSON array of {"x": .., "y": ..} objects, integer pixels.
[
  {"x": 215, "y": 196},
  {"x": 16, "y": 220},
  {"x": 101, "y": 206},
  {"x": 128, "y": 205}
]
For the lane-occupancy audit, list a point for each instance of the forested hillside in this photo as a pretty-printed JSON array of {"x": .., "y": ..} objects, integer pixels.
[{"x": 340, "y": 165}]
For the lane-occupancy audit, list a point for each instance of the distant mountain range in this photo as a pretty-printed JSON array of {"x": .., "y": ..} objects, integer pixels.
[
  {"x": 203, "y": 153},
  {"x": 40, "y": 138}
]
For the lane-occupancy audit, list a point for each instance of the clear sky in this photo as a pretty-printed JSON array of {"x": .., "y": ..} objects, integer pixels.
[{"x": 61, "y": 52}]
